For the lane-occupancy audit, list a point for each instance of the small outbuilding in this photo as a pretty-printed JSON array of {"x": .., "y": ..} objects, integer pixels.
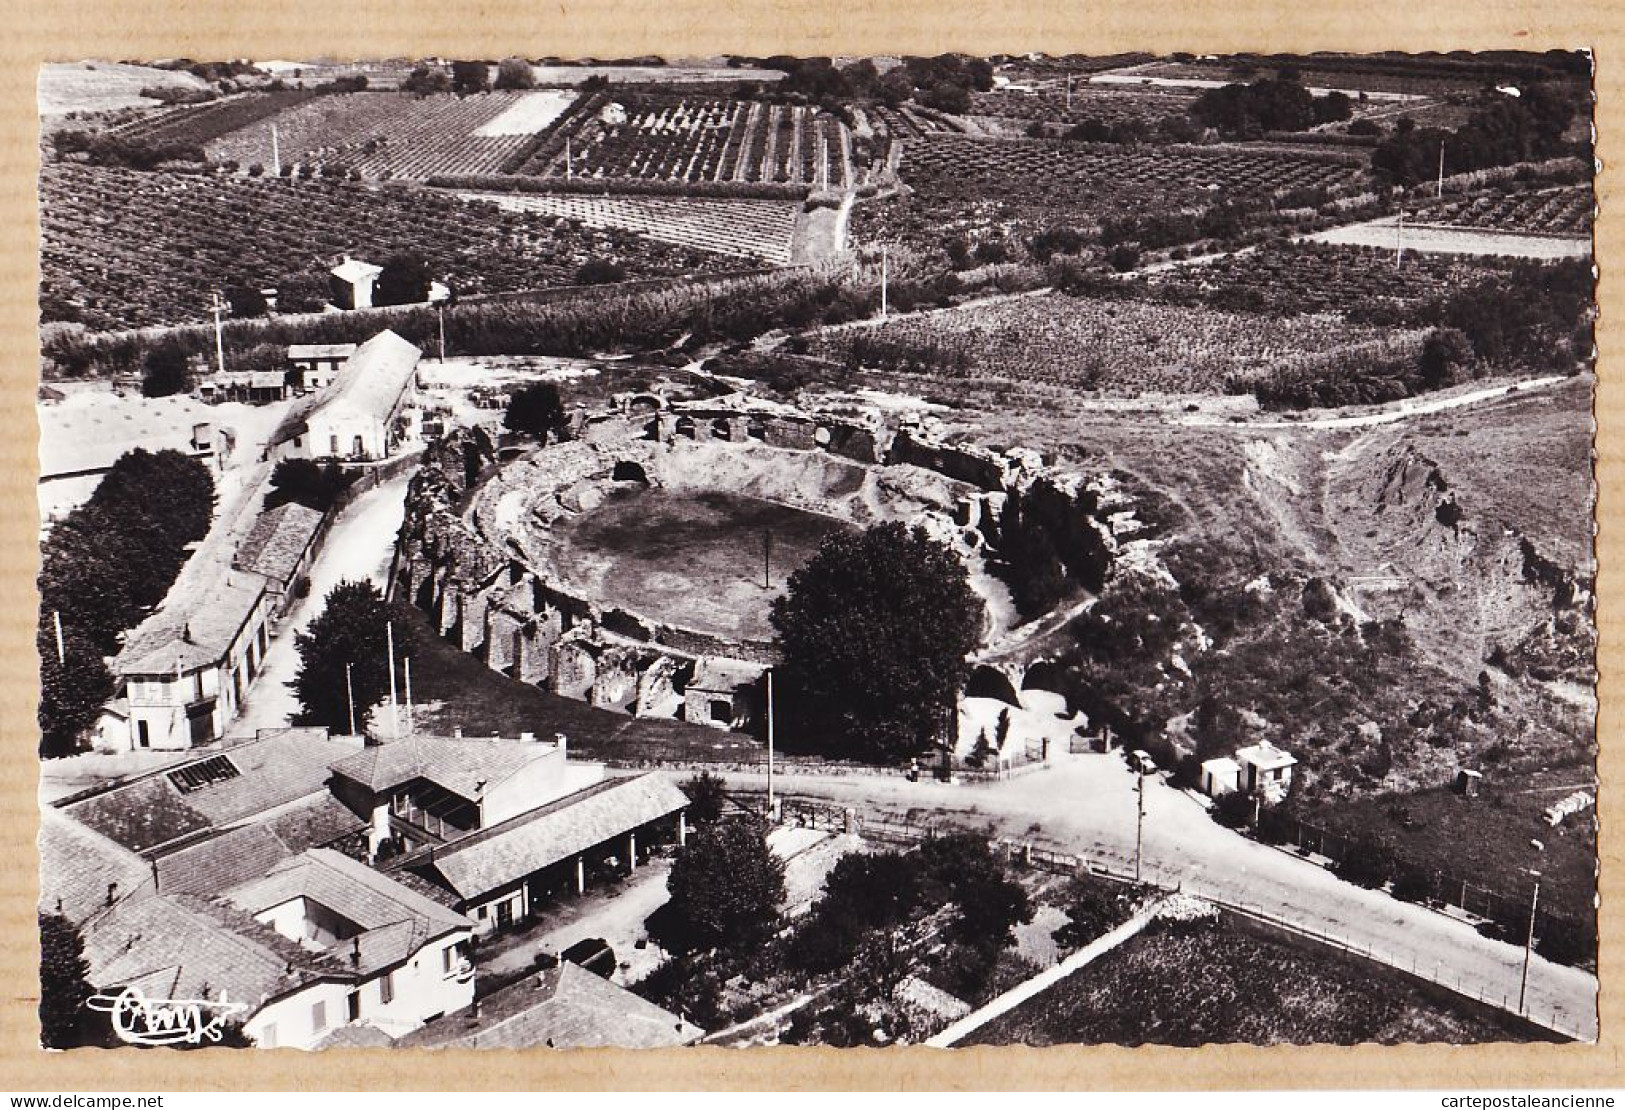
[
  {"x": 352, "y": 281},
  {"x": 1265, "y": 770},
  {"x": 1220, "y": 776}
]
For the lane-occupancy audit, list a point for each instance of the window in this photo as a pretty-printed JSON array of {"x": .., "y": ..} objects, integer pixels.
[
  {"x": 267, "y": 1037},
  {"x": 144, "y": 739},
  {"x": 448, "y": 956},
  {"x": 197, "y": 686},
  {"x": 721, "y": 710},
  {"x": 353, "y": 1004},
  {"x": 318, "y": 1016},
  {"x": 386, "y": 988},
  {"x": 333, "y": 444},
  {"x": 360, "y": 447}
]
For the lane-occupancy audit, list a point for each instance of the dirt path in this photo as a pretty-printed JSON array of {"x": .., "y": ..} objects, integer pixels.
[{"x": 1399, "y": 410}]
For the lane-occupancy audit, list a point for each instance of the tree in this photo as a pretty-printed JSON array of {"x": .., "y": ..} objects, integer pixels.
[
  {"x": 405, "y": 280},
  {"x": 351, "y": 630},
  {"x": 308, "y": 483},
  {"x": 425, "y": 80},
  {"x": 600, "y": 271},
  {"x": 246, "y": 300},
  {"x": 167, "y": 371},
  {"x": 515, "y": 73},
  {"x": 536, "y": 410},
  {"x": 875, "y": 632},
  {"x": 726, "y": 887},
  {"x": 706, "y": 795},
  {"x": 72, "y": 691},
  {"x": 470, "y": 77},
  {"x": 64, "y": 984},
  {"x": 1446, "y": 354}
]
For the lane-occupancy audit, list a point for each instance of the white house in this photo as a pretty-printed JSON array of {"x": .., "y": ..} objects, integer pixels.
[
  {"x": 187, "y": 668},
  {"x": 352, "y": 283},
  {"x": 362, "y": 415},
  {"x": 1265, "y": 770},
  {"x": 1221, "y": 775},
  {"x": 317, "y": 364}
]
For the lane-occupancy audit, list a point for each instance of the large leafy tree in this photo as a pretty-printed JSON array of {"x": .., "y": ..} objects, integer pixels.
[
  {"x": 405, "y": 280},
  {"x": 64, "y": 984},
  {"x": 308, "y": 483},
  {"x": 352, "y": 630},
  {"x": 515, "y": 73},
  {"x": 876, "y": 631},
  {"x": 536, "y": 409},
  {"x": 726, "y": 887},
  {"x": 167, "y": 370},
  {"x": 72, "y": 689}
]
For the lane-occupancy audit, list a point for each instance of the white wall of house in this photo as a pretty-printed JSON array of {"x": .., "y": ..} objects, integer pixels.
[
  {"x": 158, "y": 703},
  {"x": 300, "y": 1019},
  {"x": 438, "y": 979}
]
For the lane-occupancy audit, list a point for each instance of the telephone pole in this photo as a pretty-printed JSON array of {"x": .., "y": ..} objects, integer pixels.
[
  {"x": 767, "y": 558},
  {"x": 1139, "y": 820},
  {"x": 349, "y": 690},
  {"x": 770, "y": 744},
  {"x": 1440, "y": 193},
  {"x": 276, "y": 154},
  {"x": 884, "y": 276},
  {"x": 394, "y": 704},
  {"x": 1529, "y": 944},
  {"x": 61, "y": 649},
  {"x": 219, "y": 338}
]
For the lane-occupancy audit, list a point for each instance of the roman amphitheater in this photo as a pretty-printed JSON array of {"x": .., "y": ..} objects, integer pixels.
[{"x": 634, "y": 565}]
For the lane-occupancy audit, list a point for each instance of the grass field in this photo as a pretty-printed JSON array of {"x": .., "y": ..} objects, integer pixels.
[
  {"x": 689, "y": 559},
  {"x": 1237, "y": 983}
]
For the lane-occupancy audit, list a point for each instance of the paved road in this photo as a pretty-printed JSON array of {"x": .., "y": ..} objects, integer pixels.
[
  {"x": 359, "y": 545},
  {"x": 1085, "y": 805}
]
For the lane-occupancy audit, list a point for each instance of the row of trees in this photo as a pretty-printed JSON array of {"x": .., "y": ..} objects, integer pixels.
[
  {"x": 105, "y": 565},
  {"x": 1530, "y": 126}
]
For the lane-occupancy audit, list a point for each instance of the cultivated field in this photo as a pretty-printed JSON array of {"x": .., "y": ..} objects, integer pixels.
[
  {"x": 1386, "y": 233},
  {"x": 201, "y": 124},
  {"x": 705, "y": 573},
  {"x": 1235, "y": 984},
  {"x": 763, "y": 229},
  {"x": 104, "y": 86},
  {"x": 702, "y": 139},
  {"x": 1119, "y": 347},
  {"x": 1564, "y": 211},
  {"x": 125, "y": 249}
]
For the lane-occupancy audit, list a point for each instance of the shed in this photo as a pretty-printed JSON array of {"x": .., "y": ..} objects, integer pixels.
[
  {"x": 1265, "y": 769},
  {"x": 1220, "y": 776},
  {"x": 352, "y": 282}
]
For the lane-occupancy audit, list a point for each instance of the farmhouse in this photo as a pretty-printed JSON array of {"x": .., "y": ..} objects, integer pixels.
[
  {"x": 361, "y": 416},
  {"x": 315, "y": 365},
  {"x": 351, "y": 283},
  {"x": 186, "y": 669}
]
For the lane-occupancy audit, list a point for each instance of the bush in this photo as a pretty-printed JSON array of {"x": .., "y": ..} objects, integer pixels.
[
  {"x": 1367, "y": 863},
  {"x": 1233, "y": 810},
  {"x": 1412, "y": 885}
]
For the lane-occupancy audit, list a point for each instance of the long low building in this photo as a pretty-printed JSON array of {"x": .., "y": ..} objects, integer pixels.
[{"x": 363, "y": 414}]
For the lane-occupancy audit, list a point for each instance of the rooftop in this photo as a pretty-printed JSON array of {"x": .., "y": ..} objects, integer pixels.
[
  {"x": 504, "y": 853},
  {"x": 221, "y": 862},
  {"x": 724, "y": 675},
  {"x": 353, "y": 269},
  {"x": 278, "y": 541},
  {"x": 395, "y": 920},
  {"x": 302, "y": 351},
  {"x": 273, "y": 770},
  {"x": 183, "y": 946},
  {"x": 373, "y": 379},
  {"x": 463, "y": 766},
  {"x": 80, "y": 869},
  {"x": 198, "y": 630},
  {"x": 562, "y": 1007},
  {"x": 93, "y": 432},
  {"x": 1265, "y": 756}
]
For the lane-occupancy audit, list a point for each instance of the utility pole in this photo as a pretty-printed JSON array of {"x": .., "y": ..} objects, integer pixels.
[
  {"x": 349, "y": 690},
  {"x": 409, "y": 695},
  {"x": 61, "y": 649},
  {"x": 1440, "y": 193},
  {"x": 1529, "y": 944},
  {"x": 767, "y": 558},
  {"x": 1069, "y": 92},
  {"x": 1139, "y": 821},
  {"x": 218, "y": 308},
  {"x": 394, "y": 705},
  {"x": 569, "y": 168},
  {"x": 276, "y": 154},
  {"x": 1399, "y": 236},
  {"x": 441, "y": 308},
  {"x": 770, "y": 744}
]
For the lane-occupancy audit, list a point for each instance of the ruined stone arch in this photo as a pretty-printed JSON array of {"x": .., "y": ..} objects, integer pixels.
[{"x": 990, "y": 682}]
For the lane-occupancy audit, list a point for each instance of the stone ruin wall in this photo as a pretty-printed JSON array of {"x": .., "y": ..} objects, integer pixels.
[{"x": 468, "y": 554}]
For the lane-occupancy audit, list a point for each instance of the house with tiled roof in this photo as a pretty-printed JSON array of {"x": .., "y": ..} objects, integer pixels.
[
  {"x": 418, "y": 790},
  {"x": 183, "y": 947},
  {"x": 500, "y": 874},
  {"x": 362, "y": 415},
  {"x": 562, "y": 1007},
  {"x": 280, "y": 548},
  {"x": 405, "y": 958},
  {"x": 317, "y": 364},
  {"x": 186, "y": 669}
]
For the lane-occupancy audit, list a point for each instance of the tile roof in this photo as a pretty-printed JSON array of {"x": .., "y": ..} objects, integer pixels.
[
  {"x": 182, "y": 946},
  {"x": 79, "y": 436},
  {"x": 373, "y": 379},
  {"x": 314, "y": 824},
  {"x": 78, "y": 865},
  {"x": 221, "y": 862},
  {"x": 505, "y": 853},
  {"x": 458, "y": 765},
  {"x": 278, "y": 541},
  {"x": 356, "y": 1035},
  {"x": 191, "y": 631},
  {"x": 275, "y": 769},
  {"x": 349, "y": 888},
  {"x": 563, "y": 1007}
]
